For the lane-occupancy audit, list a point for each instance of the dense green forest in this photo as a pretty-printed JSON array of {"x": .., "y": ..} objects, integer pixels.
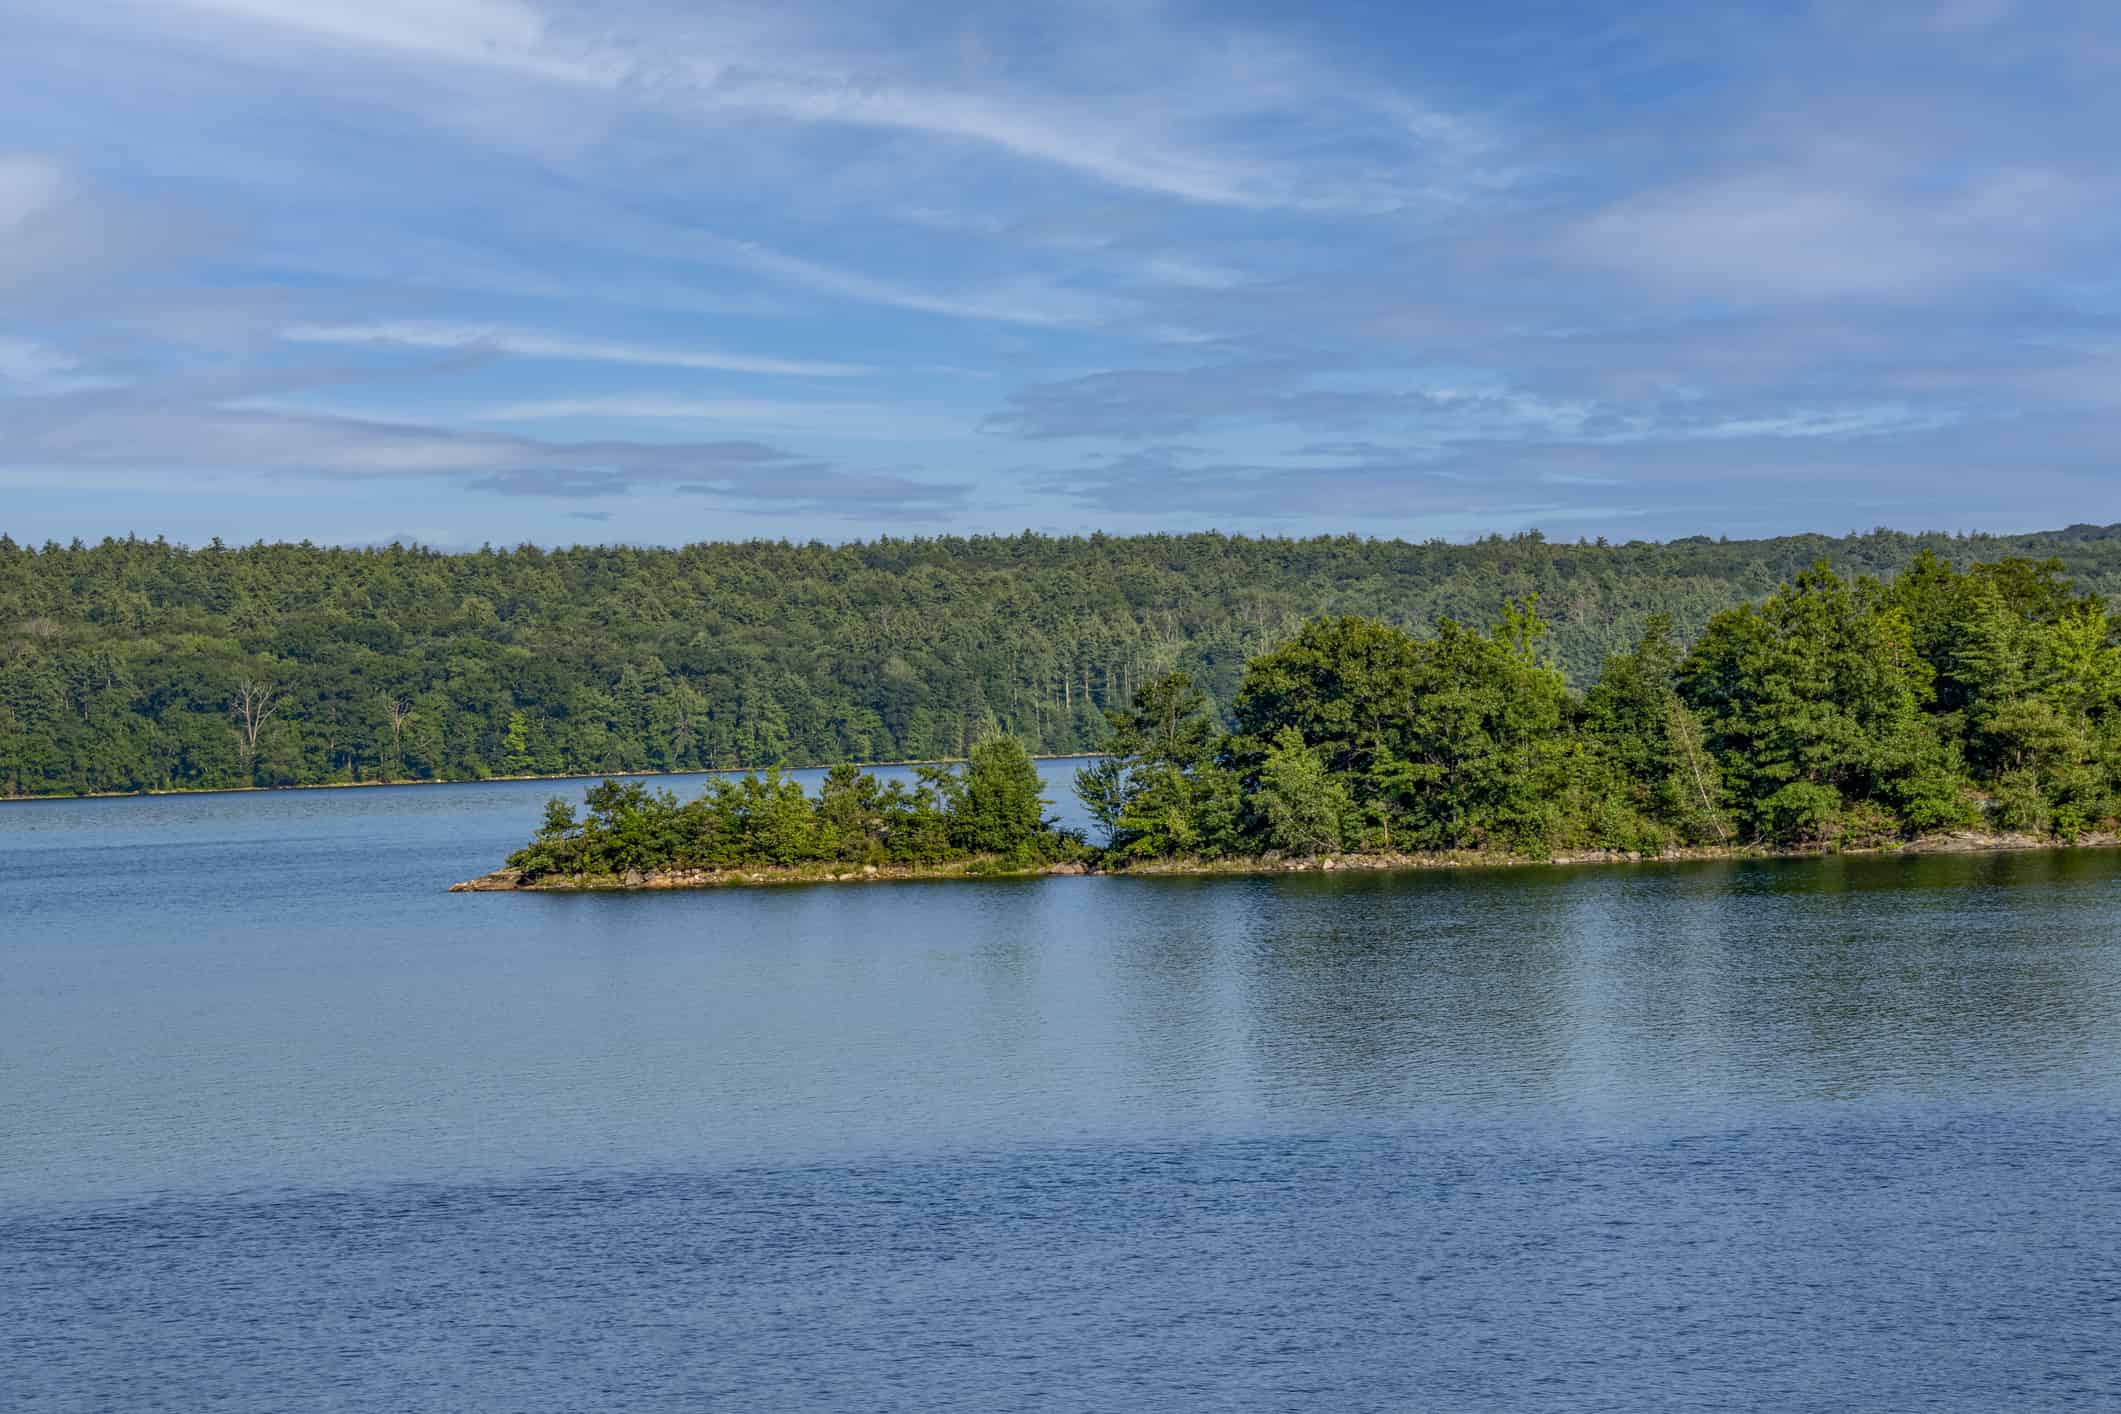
[
  {"x": 1835, "y": 713},
  {"x": 139, "y": 665}
]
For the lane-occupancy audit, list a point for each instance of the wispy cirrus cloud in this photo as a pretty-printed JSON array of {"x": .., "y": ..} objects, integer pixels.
[
  {"x": 129, "y": 431},
  {"x": 30, "y": 185},
  {"x": 58, "y": 237},
  {"x": 1823, "y": 232},
  {"x": 28, "y": 368},
  {"x": 533, "y": 343},
  {"x": 1039, "y": 304},
  {"x": 1417, "y": 416},
  {"x": 1132, "y": 404},
  {"x": 1170, "y": 139},
  {"x": 836, "y": 418},
  {"x": 501, "y": 34},
  {"x": 1081, "y": 138},
  {"x": 1568, "y": 488}
]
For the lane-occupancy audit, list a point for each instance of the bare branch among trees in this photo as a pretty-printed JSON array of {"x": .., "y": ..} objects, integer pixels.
[
  {"x": 1685, "y": 733},
  {"x": 255, "y": 704},
  {"x": 397, "y": 711}
]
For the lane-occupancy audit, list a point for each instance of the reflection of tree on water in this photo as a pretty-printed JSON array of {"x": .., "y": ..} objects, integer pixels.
[
  {"x": 1384, "y": 993},
  {"x": 1177, "y": 985},
  {"x": 1905, "y": 974},
  {"x": 1699, "y": 987}
]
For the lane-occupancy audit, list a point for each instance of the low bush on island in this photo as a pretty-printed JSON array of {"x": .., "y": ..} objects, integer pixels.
[{"x": 1836, "y": 714}]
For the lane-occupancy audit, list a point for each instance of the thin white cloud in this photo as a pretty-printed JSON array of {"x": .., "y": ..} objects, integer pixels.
[
  {"x": 32, "y": 369},
  {"x": 1825, "y": 234},
  {"x": 1152, "y": 141},
  {"x": 1822, "y": 422},
  {"x": 645, "y": 405},
  {"x": 27, "y": 362},
  {"x": 92, "y": 434},
  {"x": 834, "y": 418},
  {"x": 1191, "y": 273},
  {"x": 531, "y": 343},
  {"x": 230, "y": 439},
  {"x": 490, "y": 33},
  {"x": 1163, "y": 138},
  {"x": 57, "y": 235},
  {"x": 1081, "y": 140},
  {"x": 29, "y": 184},
  {"x": 1020, "y": 302}
]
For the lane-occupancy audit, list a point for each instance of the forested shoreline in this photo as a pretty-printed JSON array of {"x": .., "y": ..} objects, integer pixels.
[
  {"x": 137, "y": 665},
  {"x": 1836, "y": 713}
]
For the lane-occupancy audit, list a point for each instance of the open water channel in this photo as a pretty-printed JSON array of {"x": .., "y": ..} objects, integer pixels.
[{"x": 283, "y": 1125}]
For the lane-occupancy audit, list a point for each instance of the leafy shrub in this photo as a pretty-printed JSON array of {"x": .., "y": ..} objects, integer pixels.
[
  {"x": 2018, "y": 804},
  {"x": 1865, "y": 824},
  {"x": 1802, "y": 812}
]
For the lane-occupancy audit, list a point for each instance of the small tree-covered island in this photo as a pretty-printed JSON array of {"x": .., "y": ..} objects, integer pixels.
[{"x": 1970, "y": 709}]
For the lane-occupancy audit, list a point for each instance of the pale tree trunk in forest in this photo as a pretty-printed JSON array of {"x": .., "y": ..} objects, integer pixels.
[
  {"x": 1682, "y": 727},
  {"x": 399, "y": 711},
  {"x": 253, "y": 706}
]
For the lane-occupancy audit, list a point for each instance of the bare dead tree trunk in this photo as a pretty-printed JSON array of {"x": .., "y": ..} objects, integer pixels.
[
  {"x": 253, "y": 707},
  {"x": 399, "y": 711},
  {"x": 1682, "y": 726}
]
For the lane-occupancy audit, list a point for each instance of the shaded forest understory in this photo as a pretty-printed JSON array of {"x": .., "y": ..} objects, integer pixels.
[
  {"x": 1837, "y": 713},
  {"x": 138, "y": 665}
]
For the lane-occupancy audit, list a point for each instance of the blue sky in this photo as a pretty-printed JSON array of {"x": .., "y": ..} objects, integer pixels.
[{"x": 489, "y": 270}]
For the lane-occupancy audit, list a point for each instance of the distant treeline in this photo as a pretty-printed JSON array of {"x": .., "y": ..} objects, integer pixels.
[
  {"x": 139, "y": 665},
  {"x": 1834, "y": 713}
]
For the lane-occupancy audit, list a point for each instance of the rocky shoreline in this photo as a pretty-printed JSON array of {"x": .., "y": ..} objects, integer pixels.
[
  {"x": 1961, "y": 842},
  {"x": 513, "y": 880}
]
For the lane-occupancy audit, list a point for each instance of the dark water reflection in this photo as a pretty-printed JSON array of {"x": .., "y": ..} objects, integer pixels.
[{"x": 284, "y": 1126}]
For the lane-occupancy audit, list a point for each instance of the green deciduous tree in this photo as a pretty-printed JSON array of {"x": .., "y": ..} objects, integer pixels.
[{"x": 1301, "y": 804}]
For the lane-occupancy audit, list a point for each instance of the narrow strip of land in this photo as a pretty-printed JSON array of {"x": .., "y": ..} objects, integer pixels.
[{"x": 989, "y": 867}]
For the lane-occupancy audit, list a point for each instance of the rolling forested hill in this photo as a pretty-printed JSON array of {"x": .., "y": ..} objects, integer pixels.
[{"x": 135, "y": 665}]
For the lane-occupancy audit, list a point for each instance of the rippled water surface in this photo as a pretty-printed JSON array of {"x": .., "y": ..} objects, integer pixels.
[{"x": 285, "y": 1126}]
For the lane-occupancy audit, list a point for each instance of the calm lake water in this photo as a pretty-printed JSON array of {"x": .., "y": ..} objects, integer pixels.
[{"x": 285, "y": 1126}]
